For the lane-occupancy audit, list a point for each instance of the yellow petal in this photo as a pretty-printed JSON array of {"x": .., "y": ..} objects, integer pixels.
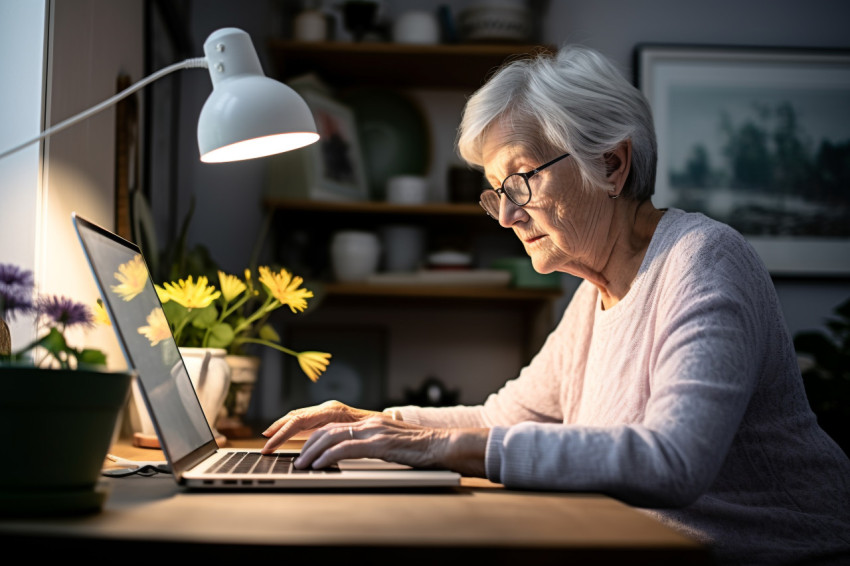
[
  {"x": 132, "y": 277},
  {"x": 231, "y": 286},
  {"x": 190, "y": 294},
  {"x": 100, "y": 314},
  {"x": 157, "y": 329},
  {"x": 284, "y": 287},
  {"x": 313, "y": 363}
]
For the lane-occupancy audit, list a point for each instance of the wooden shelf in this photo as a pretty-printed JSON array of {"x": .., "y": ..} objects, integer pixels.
[
  {"x": 344, "y": 64},
  {"x": 378, "y": 208},
  {"x": 442, "y": 291}
]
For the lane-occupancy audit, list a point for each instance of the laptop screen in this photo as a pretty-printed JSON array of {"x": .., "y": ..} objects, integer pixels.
[{"x": 149, "y": 347}]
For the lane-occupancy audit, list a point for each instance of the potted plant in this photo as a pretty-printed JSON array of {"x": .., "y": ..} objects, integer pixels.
[
  {"x": 224, "y": 320},
  {"x": 49, "y": 386},
  {"x": 825, "y": 364}
]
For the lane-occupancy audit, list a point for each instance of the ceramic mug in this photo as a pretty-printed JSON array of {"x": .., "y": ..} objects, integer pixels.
[
  {"x": 407, "y": 189},
  {"x": 354, "y": 255},
  {"x": 311, "y": 25},
  {"x": 417, "y": 27},
  {"x": 404, "y": 247}
]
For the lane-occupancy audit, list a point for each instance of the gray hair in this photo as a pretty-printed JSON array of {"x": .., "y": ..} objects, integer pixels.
[{"x": 574, "y": 101}]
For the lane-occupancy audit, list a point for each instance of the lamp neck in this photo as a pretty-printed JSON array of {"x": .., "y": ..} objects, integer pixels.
[{"x": 230, "y": 53}]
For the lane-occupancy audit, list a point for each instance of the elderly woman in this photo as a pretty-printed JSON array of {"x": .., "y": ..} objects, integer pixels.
[{"x": 671, "y": 382}]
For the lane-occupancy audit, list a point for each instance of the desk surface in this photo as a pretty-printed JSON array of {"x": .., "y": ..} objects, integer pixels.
[{"x": 479, "y": 520}]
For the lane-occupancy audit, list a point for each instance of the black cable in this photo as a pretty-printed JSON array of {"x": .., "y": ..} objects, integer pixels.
[{"x": 146, "y": 471}]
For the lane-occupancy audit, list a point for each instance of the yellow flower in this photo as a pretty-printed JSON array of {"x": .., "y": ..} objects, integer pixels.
[
  {"x": 162, "y": 294},
  {"x": 231, "y": 286},
  {"x": 190, "y": 294},
  {"x": 133, "y": 276},
  {"x": 284, "y": 287},
  {"x": 157, "y": 329},
  {"x": 100, "y": 314},
  {"x": 313, "y": 363}
]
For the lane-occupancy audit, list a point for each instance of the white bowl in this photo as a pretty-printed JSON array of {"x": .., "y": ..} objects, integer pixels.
[{"x": 495, "y": 21}]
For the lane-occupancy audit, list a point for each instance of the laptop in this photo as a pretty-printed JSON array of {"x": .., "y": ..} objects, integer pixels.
[{"x": 189, "y": 445}]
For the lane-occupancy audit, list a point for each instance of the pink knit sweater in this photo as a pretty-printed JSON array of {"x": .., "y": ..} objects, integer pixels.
[{"x": 684, "y": 399}]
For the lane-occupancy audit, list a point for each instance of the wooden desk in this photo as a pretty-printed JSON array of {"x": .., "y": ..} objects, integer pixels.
[{"x": 148, "y": 519}]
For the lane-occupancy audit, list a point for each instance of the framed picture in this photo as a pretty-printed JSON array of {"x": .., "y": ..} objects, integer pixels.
[
  {"x": 355, "y": 375},
  {"x": 331, "y": 169},
  {"x": 759, "y": 139}
]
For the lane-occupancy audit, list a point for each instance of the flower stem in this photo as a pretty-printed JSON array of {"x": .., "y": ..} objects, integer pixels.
[{"x": 269, "y": 344}]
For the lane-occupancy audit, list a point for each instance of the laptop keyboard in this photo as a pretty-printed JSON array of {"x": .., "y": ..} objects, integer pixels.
[{"x": 256, "y": 463}]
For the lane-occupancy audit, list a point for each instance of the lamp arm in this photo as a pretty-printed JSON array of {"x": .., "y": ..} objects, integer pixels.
[{"x": 194, "y": 63}]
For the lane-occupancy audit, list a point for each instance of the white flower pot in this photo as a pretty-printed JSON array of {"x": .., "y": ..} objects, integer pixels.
[
  {"x": 211, "y": 383},
  {"x": 210, "y": 374}
]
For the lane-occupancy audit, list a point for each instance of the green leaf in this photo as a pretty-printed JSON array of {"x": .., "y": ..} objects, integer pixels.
[
  {"x": 54, "y": 342},
  {"x": 267, "y": 332},
  {"x": 221, "y": 335},
  {"x": 91, "y": 357},
  {"x": 175, "y": 313},
  {"x": 205, "y": 317}
]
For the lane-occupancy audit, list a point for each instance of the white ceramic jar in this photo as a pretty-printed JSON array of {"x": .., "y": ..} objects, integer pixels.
[
  {"x": 355, "y": 255},
  {"x": 310, "y": 25},
  {"x": 416, "y": 27}
]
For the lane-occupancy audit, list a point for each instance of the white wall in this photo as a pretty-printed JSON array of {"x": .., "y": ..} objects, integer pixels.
[
  {"x": 615, "y": 27},
  {"x": 22, "y": 47},
  {"x": 91, "y": 42},
  {"x": 87, "y": 44},
  {"x": 228, "y": 212}
]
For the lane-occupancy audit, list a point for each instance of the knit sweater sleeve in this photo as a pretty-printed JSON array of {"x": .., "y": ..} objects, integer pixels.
[
  {"x": 534, "y": 395},
  {"x": 685, "y": 356}
]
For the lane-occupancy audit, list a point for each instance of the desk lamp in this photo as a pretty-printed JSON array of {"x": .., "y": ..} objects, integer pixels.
[{"x": 247, "y": 115}]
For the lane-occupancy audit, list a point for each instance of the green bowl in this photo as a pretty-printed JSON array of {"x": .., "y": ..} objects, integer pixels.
[{"x": 523, "y": 274}]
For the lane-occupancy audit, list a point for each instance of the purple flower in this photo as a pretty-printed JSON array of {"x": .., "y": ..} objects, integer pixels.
[
  {"x": 14, "y": 276},
  {"x": 15, "y": 291},
  {"x": 64, "y": 311},
  {"x": 14, "y": 301}
]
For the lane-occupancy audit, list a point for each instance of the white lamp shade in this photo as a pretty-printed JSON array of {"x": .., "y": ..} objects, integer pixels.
[{"x": 248, "y": 115}]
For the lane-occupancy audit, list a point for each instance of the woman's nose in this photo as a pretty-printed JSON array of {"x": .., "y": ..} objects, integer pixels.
[{"x": 509, "y": 213}]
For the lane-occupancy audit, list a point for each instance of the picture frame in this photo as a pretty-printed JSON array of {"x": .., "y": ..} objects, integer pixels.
[
  {"x": 758, "y": 138},
  {"x": 357, "y": 371},
  {"x": 332, "y": 168}
]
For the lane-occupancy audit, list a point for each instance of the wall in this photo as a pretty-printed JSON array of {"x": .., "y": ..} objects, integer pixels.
[
  {"x": 616, "y": 26},
  {"x": 82, "y": 48},
  {"x": 23, "y": 28},
  {"x": 228, "y": 216}
]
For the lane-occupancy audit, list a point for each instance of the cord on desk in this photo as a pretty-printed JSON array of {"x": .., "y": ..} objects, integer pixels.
[{"x": 146, "y": 471}]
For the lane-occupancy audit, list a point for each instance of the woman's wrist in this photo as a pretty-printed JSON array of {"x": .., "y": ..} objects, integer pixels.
[
  {"x": 395, "y": 414},
  {"x": 466, "y": 449}
]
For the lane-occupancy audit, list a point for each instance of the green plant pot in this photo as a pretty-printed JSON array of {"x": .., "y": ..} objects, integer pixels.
[
  {"x": 60, "y": 424},
  {"x": 523, "y": 274}
]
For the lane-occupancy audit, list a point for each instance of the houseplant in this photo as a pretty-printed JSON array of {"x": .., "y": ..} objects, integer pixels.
[
  {"x": 51, "y": 385},
  {"x": 826, "y": 373},
  {"x": 234, "y": 315}
]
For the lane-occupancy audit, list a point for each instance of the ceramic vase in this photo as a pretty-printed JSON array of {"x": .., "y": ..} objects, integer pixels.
[
  {"x": 210, "y": 375},
  {"x": 243, "y": 378},
  {"x": 62, "y": 423}
]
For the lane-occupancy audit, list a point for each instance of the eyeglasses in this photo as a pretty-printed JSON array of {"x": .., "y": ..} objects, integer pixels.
[{"x": 515, "y": 187}]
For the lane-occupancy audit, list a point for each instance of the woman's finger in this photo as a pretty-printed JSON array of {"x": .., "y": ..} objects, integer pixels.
[{"x": 323, "y": 440}]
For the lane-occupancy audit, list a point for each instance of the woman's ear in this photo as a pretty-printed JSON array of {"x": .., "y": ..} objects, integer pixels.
[{"x": 618, "y": 163}]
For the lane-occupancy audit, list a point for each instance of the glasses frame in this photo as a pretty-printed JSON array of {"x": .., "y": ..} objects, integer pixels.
[{"x": 526, "y": 175}]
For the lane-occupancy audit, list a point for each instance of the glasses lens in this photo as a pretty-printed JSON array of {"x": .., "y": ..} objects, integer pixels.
[
  {"x": 490, "y": 202},
  {"x": 517, "y": 189}
]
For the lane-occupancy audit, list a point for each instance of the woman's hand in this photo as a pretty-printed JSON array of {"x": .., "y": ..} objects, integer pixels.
[
  {"x": 309, "y": 418},
  {"x": 379, "y": 436}
]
